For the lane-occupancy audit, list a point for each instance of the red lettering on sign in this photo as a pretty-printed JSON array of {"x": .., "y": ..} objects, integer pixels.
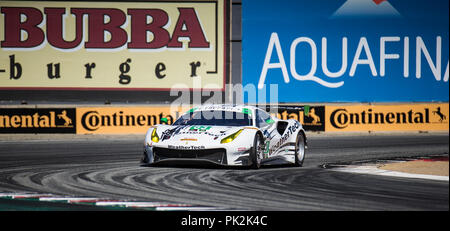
[
  {"x": 55, "y": 28},
  {"x": 189, "y": 26},
  {"x": 101, "y": 21},
  {"x": 14, "y": 27},
  {"x": 98, "y": 27},
  {"x": 139, "y": 28}
]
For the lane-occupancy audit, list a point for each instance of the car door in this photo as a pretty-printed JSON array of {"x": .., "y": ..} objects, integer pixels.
[{"x": 267, "y": 125}]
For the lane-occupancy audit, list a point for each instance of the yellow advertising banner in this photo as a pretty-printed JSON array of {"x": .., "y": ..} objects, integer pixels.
[
  {"x": 154, "y": 45},
  {"x": 123, "y": 120},
  {"x": 402, "y": 117}
]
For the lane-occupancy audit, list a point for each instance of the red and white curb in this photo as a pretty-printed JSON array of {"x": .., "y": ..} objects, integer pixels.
[
  {"x": 22, "y": 195},
  {"x": 70, "y": 199},
  {"x": 107, "y": 203},
  {"x": 157, "y": 205},
  {"x": 374, "y": 170}
]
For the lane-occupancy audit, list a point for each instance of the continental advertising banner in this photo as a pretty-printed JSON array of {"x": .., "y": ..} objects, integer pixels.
[
  {"x": 145, "y": 45},
  {"x": 40, "y": 120},
  {"x": 347, "y": 50},
  {"x": 403, "y": 117},
  {"x": 122, "y": 120},
  {"x": 137, "y": 120}
]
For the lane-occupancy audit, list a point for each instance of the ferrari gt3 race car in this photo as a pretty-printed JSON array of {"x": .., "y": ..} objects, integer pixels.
[{"x": 227, "y": 135}]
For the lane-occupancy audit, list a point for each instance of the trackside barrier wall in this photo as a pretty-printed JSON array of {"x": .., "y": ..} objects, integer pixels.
[{"x": 136, "y": 120}]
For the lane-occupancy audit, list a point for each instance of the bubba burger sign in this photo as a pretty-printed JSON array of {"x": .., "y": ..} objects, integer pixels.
[
  {"x": 112, "y": 45},
  {"x": 97, "y": 27}
]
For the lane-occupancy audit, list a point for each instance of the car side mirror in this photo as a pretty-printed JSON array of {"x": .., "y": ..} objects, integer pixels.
[
  {"x": 270, "y": 121},
  {"x": 164, "y": 121}
]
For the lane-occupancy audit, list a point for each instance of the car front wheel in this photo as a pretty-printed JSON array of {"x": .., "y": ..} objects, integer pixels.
[
  {"x": 300, "y": 150},
  {"x": 256, "y": 152}
]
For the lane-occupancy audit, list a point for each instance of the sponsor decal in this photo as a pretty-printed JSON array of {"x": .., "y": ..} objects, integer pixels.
[
  {"x": 180, "y": 147},
  {"x": 186, "y": 130},
  {"x": 284, "y": 137},
  {"x": 37, "y": 120},
  {"x": 242, "y": 149},
  {"x": 199, "y": 128},
  {"x": 269, "y": 134},
  {"x": 106, "y": 45},
  {"x": 413, "y": 117},
  {"x": 167, "y": 134},
  {"x": 121, "y": 120},
  {"x": 189, "y": 139}
]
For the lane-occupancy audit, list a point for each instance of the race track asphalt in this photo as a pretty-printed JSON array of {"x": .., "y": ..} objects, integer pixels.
[{"x": 110, "y": 168}]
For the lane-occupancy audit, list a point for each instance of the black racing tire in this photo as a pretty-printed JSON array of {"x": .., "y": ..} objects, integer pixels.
[
  {"x": 144, "y": 159},
  {"x": 300, "y": 145},
  {"x": 255, "y": 157}
]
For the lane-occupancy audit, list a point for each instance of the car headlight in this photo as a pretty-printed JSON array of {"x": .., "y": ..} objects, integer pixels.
[
  {"x": 154, "y": 136},
  {"x": 231, "y": 137}
]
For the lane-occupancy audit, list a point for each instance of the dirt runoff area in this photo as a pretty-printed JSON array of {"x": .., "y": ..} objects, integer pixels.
[{"x": 433, "y": 166}]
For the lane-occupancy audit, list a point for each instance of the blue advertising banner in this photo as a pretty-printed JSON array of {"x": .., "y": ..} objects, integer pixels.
[{"x": 346, "y": 50}]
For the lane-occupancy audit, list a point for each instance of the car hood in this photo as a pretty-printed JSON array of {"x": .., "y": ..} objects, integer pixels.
[{"x": 194, "y": 133}]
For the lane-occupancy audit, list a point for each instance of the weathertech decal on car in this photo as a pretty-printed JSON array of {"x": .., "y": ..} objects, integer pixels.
[
  {"x": 284, "y": 138},
  {"x": 180, "y": 147}
]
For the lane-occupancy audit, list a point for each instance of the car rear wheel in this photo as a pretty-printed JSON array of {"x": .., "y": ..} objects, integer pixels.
[
  {"x": 256, "y": 152},
  {"x": 299, "y": 150}
]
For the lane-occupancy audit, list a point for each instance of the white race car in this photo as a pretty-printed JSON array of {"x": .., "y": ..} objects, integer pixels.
[{"x": 227, "y": 135}]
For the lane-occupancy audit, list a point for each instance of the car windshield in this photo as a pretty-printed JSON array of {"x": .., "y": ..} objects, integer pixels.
[{"x": 217, "y": 118}]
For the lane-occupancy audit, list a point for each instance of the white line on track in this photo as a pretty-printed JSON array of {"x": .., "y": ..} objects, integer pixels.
[
  {"x": 138, "y": 204},
  {"x": 370, "y": 169},
  {"x": 70, "y": 199}
]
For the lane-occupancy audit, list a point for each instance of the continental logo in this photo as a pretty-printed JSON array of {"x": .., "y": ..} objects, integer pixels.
[
  {"x": 43, "y": 120},
  {"x": 93, "y": 120},
  {"x": 387, "y": 117},
  {"x": 121, "y": 120}
]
